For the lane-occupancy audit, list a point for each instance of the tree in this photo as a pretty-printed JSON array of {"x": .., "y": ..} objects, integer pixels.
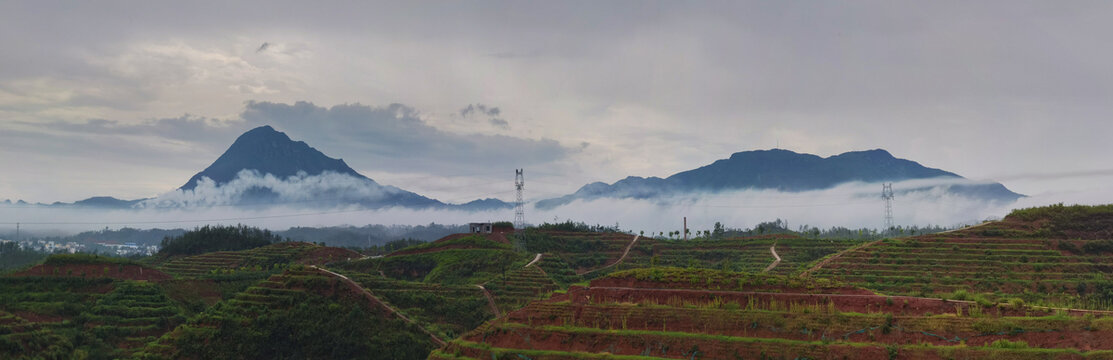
[{"x": 719, "y": 231}]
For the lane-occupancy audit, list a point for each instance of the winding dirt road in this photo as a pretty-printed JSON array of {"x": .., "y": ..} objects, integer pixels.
[
  {"x": 773, "y": 250},
  {"x": 490, "y": 301},
  {"x": 627, "y": 251},
  {"x": 535, "y": 260},
  {"x": 369, "y": 296}
]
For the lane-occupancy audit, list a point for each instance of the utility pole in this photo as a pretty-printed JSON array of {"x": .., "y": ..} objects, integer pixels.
[
  {"x": 685, "y": 228},
  {"x": 17, "y": 232},
  {"x": 519, "y": 206},
  {"x": 887, "y": 194}
]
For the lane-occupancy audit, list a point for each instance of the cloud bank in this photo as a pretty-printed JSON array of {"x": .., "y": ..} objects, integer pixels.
[{"x": 850, "y": 205}]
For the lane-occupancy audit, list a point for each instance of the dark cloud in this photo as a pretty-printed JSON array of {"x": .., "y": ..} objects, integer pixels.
[
  {"x": 395, "y": 137},
  {"x": 480, "y": 109},
  {"x": 499, "y": 123}
]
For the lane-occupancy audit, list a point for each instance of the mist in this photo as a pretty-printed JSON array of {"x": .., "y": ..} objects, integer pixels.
[{"x": 852, "y": 205}]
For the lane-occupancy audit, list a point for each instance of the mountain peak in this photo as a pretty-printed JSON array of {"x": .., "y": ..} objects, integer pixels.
[
  {"x": 781, "y": 170},
  {"x": 269, "y": 151}
]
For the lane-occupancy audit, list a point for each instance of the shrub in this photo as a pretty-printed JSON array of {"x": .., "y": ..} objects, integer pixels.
[
  {"x": 1006, "y": 344},
  {"x": 1069, "y": 247}
]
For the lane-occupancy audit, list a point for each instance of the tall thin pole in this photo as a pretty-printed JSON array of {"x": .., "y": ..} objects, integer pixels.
[
  {"x": 519, "y": 205},
  {"x": 887, "y": 194}
]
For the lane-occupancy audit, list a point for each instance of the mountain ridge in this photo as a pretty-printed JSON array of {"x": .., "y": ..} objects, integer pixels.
[{"x": 780, "y": 170}]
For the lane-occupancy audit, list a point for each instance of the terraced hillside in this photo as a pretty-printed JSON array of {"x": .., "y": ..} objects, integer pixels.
[
  {"x": 73, "y": 315},
  {"x": 519, "y": 287},
  {"x": 581, "y": 250},
  {"x": 446, "y": 310},
  {"x": 258, "y": 259},
  {"x": 1043, "y": 256},
  {"x": 130, "y": 316},
  {"x": 739, "y": 254},
  {"x": 558, "y": 270},
  {"x": 673, "y": 313},
  {"x": 22, "y": 339},
  {"x": 282, "y": 318},
  {"x": 457, "y": 260}
]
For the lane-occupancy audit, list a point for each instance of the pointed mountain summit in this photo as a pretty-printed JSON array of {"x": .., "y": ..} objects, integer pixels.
[
  {"x": 306, "y": 177},
  {"x": 269, "y": 151},
  {"x": 787, "y": 171}
]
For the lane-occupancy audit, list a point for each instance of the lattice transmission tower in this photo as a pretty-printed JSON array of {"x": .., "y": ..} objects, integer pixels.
[
  {"x": 519, "y": 205},
  {"x": 887, "y": 194}
]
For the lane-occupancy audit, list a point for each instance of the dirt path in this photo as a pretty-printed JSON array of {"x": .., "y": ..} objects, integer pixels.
[
  {"x": 624, "y": 252},
  {"x": 491, "y": 301},
  {"x": 535, "y": 260},
  {"x": 773, "y": 250},
  {"x": 826, "y": 261},
  {"x": 367, "y": 294}
]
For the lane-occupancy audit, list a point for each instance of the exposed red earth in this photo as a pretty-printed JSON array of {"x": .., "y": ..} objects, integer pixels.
[{"x": 113, "y": 271}]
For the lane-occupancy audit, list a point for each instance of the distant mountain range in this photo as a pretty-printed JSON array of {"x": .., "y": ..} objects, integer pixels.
[
  {"x": 782, "y": 170},
  {"x": 264, "y": 167}
]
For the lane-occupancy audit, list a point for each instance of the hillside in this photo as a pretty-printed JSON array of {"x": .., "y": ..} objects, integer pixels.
[
  {"x": 786, "y": 171},
  {"x": 1035, "y": 285},
  {"x": 672, "y": 313},
  {"x": 1054, "y": 256}
]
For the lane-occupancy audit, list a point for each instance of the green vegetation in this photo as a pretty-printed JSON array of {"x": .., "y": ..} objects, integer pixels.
[
  {"x": 271, "y": 258},
  {"x": 217, "y": 238},
  {"x": 97, "y": 318},
  {"x": 14, "y": 257},
  {"x": 470, "y": 241},
  {"x": 447, "y": 310},
  {"x": 281, "y": 318},
  {"x": 451, "y": 266},
  {"x": 573, "y": 226}
]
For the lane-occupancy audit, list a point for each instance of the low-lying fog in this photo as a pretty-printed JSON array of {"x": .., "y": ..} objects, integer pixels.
[{"x": 852, "y": 205}]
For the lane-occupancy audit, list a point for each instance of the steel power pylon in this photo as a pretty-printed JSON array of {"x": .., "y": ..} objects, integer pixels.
[
  {"x": 887, "y": 194},
  {"x": 519, "y": 206}
]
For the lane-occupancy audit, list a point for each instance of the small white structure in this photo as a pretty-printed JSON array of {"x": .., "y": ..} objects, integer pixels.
[{"x": 479, "y": 228}]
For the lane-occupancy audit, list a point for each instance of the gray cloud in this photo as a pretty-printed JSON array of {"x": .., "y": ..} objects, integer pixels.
[
  {"x": 499, "y": 123},
  {"x": 395, "y": 137},
  {"x": 480, "y": 109},
  {"x": 655, "y": 86},
  {"x": 187, "y": 127}
]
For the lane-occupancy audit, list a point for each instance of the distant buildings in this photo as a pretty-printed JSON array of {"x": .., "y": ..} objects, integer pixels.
[{"x": 479, "y": 228}]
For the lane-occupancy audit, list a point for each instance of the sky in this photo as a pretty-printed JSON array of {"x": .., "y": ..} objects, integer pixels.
[{"x": 129, "y": 99}]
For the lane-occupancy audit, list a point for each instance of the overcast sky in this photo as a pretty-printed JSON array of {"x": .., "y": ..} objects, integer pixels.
[{"x": 129, "y": 99}]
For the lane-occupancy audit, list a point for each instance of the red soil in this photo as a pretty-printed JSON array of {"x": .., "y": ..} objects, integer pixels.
[
  {"x": 657, "y": 345},
  {"x": 629, "y": 282},
  {"x": 114, "y": 271}
]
